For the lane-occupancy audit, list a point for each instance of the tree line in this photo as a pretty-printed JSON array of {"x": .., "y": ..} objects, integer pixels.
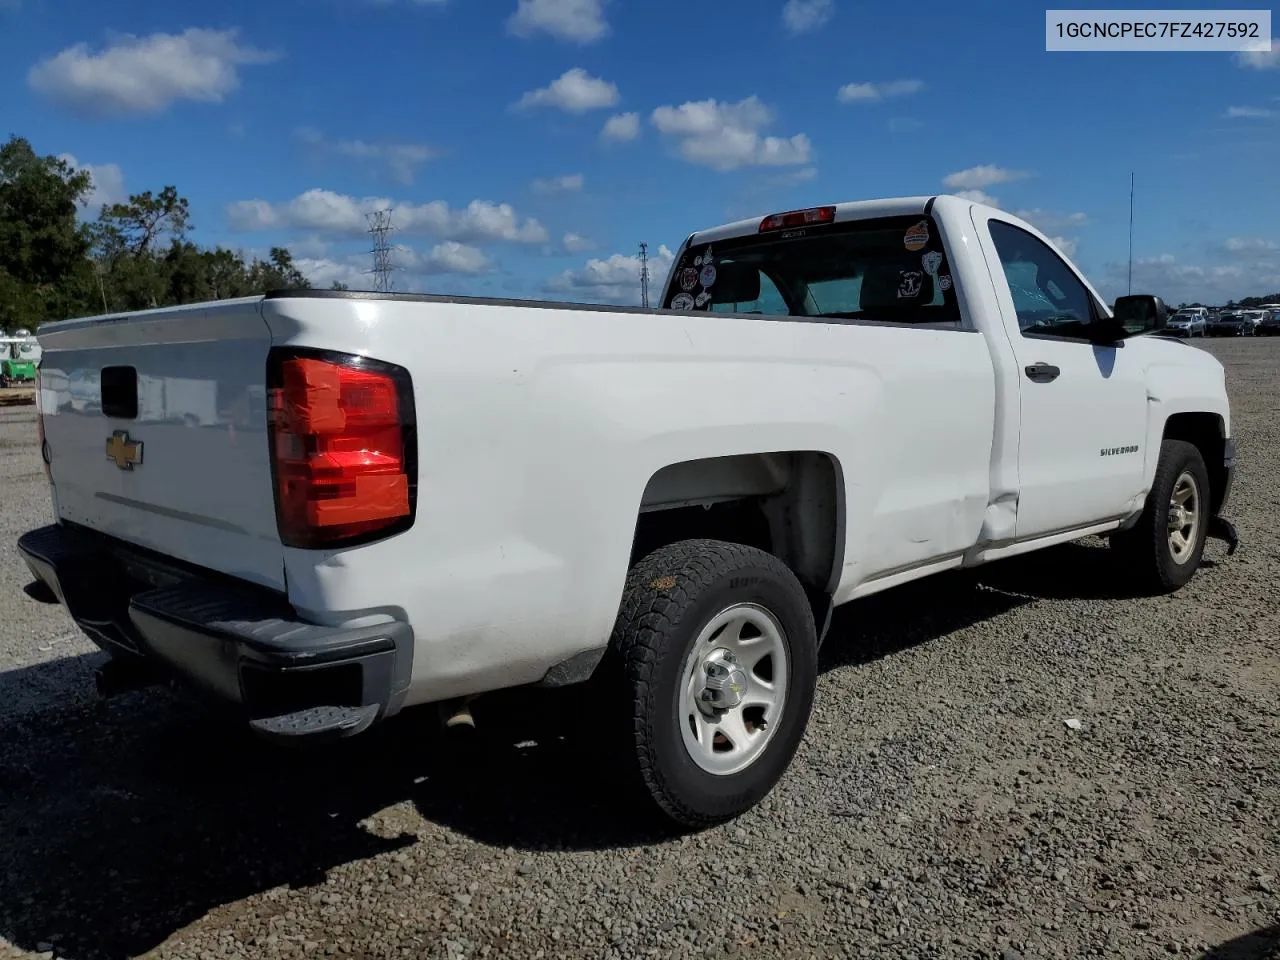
[{"x": 135, "y": 255}]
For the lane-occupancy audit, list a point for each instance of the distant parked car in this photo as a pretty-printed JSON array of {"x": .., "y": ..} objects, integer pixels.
[
  {"x": 1232, "y": 324},
  {"x": 1270, "y": 325},
  {"x": 1188, "y": 323},
  {"x": 1253, "y": 320}
]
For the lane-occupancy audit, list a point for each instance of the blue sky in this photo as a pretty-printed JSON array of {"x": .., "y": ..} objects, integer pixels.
[{"x": 527, "y": 146}]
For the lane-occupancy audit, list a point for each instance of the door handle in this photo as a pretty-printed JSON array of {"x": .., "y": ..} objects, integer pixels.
[{"x": 1042, "y": 372}]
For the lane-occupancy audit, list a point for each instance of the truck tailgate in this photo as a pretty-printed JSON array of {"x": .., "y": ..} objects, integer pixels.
[{"x": 155, "y": 426}]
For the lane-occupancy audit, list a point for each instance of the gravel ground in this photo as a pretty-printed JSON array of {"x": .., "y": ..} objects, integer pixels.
[{"x": 941, "y": 805}]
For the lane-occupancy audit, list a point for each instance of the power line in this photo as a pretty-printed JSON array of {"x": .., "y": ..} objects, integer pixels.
[
  {"x": 644, "y": 275},
  {"x": 380, "y": 228}
]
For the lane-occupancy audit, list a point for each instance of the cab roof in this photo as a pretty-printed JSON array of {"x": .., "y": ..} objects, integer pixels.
[{"x": 849, "y": 210}]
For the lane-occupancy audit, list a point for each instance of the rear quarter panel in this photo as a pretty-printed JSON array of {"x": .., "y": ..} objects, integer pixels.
[{"x": 539, "y": 428}]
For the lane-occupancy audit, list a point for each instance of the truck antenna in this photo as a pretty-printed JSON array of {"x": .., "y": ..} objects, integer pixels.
[
  {"x": 644, "y": 275},
  {"x": 1131, "y": 231},
  {"x": 380, "y": 228}
]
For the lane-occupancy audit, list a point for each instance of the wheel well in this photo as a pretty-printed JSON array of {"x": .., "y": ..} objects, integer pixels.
[
  {"x": 1205, "y": 432},
  {"x": 789, "y": 504}
]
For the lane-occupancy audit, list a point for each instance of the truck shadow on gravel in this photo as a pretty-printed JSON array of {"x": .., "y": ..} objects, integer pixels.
[
  {"x": 924, "y": 610},
  {"x": 125, "y": 822},
  {"x": 1259, "y": 945}
]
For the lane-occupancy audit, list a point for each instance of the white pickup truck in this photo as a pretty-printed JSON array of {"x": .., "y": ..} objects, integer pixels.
[{"x": 411, "y": 500}]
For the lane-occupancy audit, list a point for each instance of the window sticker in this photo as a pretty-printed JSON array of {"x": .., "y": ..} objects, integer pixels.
[
  {"x": 944, "y": 281},
  {"x": 682, "y": 302},
  {"x": 701, "y": 299},
  {"x": 931, "y": 261},
  {"x": 916, "y": 236},
  {"x": 909, "y": 283},
  {"x": 708, "y": 276},
  {"x": 688, "y": 279}
]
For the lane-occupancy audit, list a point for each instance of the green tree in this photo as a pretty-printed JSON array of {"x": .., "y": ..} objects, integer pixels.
[
  {"x": 43, "y": 267},
  {"x": 135, "y": 226},
  {"x": 276, "y": 273}
]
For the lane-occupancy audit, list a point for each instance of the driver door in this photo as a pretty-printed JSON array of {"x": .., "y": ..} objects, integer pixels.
[{"x": 1082, "y": 406}]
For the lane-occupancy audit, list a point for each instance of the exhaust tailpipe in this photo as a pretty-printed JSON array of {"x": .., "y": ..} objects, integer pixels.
[
  {"x": 123, "y": 676},
  {"x": 455, "y": 714}
]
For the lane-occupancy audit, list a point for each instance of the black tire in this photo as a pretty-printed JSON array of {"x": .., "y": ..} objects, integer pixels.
[
  {"x": 1147, "y": 549},
  {"x": 670, "y": 596}
]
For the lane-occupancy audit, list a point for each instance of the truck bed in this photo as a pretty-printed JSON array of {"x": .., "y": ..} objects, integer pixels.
[{"x": 543, "y": 429}]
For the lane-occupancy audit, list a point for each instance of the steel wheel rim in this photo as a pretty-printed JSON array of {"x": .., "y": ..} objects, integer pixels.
[
  {"x": 727, "y": 730},
  {"x": 1184, "y": 517}
]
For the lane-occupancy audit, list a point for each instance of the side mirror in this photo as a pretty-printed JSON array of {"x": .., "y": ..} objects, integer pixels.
[{"x": 1140, "y": 313}]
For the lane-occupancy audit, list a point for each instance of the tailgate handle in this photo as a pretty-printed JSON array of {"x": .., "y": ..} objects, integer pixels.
[{"x": 120, "y": 393}]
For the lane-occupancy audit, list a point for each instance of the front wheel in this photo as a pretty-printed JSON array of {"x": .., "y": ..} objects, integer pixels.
[
  {"x": 1163, "y": 550},
  {"x": 719, "y": 651}
]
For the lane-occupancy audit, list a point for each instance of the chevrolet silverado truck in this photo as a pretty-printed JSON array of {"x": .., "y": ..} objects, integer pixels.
[{"x": 416, "y": 499}]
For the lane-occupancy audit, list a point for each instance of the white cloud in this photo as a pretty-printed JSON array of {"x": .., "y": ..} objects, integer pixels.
[
  {"x": 621, "y": 127},
  {"x": 576, "y": 243},
  {"x": 726, "y": 136},
  {"x": 310, "y": 246},
  {"x": 401, "y": 159},
  {"x": 795, "y": 177},
  {"x": 326, "y": 212},
  {"x": 569, "y": 183},
  {"x": 145, "y": 75},
  {"x": 107, "y": 182},
  {"x": 574, "y": 91},
  {"x": 864, "y": 92},
  {"x": 448, "y": 257},
  {"x": 1249, "y": 112},
  {"x": 578, "y": 21},
  {"x": 408, "y": 265},
  {"x": 1067, "y": 245},
  {"x": 983, "y": 175},
  {"x": 1047, "y": 221},
  {"x": 322, "y": 272},
  {"x": 1250, "y": 273},
  {"x": 977, "y": 196},
  {"x": 1051, "y": 225},
  {"x": 613, "y": 280},
  {"x": 1250, "y": 245},
  {"x": 1261, "y": 59},
  {"x": 801, "y": 16}
]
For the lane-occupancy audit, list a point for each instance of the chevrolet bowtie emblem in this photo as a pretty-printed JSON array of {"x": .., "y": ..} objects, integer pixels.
[{"x": 122, "y": 451}]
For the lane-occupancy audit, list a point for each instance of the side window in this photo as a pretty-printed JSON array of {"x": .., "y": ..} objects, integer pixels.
[{"x": 1048, "y": 298}]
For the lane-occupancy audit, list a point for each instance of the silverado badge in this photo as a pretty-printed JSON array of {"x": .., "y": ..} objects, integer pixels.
[{"x": 123, "y": 451}]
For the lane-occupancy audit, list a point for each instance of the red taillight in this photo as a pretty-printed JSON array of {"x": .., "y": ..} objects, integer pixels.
[
  {"x": 798, "y": 218},
  {"x": 341, "y": 433}
]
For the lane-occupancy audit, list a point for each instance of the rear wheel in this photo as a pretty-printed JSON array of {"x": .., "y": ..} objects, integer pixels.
[
  {"x": 1164, "y": 548},
  {"x": 719, "y": 653}
]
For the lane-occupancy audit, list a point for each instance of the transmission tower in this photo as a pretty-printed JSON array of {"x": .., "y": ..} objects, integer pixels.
[
  {"x": 380, "y": 229},
  {"x": 644, "y": 275}
]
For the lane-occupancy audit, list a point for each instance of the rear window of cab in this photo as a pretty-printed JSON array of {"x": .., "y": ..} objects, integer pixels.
[{"x": 888, "y": 269}]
